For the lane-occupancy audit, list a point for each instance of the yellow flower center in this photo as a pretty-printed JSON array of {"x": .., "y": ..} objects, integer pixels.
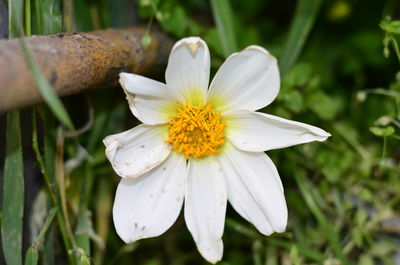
[{"x": 196, "y": 131}]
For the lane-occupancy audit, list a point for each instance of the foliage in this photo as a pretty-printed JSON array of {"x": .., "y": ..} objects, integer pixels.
[{"x": 340, "y": 71}]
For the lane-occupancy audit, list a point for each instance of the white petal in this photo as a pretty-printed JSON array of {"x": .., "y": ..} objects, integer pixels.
[
  {"x": 257, "y": 132},
  {"x": 148, "y": 205},
  {"x": 205, "y": 206},
  {"x": 247, "y": 80},
  {"x": 188, "y": 69},
  {"x": 150, "y": 101},
  {"x": 137, "y": 150},
  {"x": 254, "y": 188}
]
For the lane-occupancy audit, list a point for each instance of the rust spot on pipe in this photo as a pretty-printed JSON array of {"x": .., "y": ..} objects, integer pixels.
[{"x": 76, "y": 62}]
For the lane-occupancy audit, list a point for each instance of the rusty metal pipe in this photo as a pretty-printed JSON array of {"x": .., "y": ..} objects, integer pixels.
[{"x": 76, "y": 62}]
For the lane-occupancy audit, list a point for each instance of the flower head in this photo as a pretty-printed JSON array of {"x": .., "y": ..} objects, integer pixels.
[
  {"x": 202, "y": 146},
  {"x": 196, "y": 131}
]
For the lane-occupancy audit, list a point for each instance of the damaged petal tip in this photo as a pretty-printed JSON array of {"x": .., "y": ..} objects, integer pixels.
[
  {"x": 193, "y": 43},
  {"x": 193, "y": 47}
]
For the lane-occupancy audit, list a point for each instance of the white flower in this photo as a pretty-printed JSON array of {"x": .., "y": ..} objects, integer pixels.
[{"x": 202, "y": 147}]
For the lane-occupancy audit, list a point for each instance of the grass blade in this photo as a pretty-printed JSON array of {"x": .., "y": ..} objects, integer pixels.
[
  {"x": 305, "y": 187},
  {"x": 304, "y": 18},
  {"x": 47, "y": 16},
  {"x": 49, "y": 123},
  {"x": 28, "y": 26},
  {"x": 50, "y": 179},
  {"x": 51, "y": 16},
  {"x": 13, "y": 179},
  {"x": 245, "y": 230},
  {"x": 223, "y": 17},
  {"x": 103, "y": 216},
  {"x": 13, "y": 192},
  {"x": 39, "y": 240},
  {"x": 68, "y": 15},
  {"x": 85, "y": 225},
  {"x": 32, "y": 256},
  {"x": 15, "y": 18}
]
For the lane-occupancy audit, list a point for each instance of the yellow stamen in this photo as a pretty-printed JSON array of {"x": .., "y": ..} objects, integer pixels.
[{"x": 196, "y": 131}]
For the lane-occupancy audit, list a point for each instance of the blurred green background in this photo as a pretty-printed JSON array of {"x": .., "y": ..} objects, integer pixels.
[{"x": 339, "y": 62}]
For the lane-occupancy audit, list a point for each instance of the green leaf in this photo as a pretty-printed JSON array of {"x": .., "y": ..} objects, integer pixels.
[
  {"x": 301, "y": 75},
  {"x": 212, "y": 39},
  {"x": 390, "y": 26},
  {"x": 83, "y": 228},
  {"x": 304, "y": 18},
  {"x": 323, "y": 105},
  {"x": 366, "y": 260},
  {"x": 382, "y": 131},
  {"x": 48, "y": 256},
  {"x": 32, "y": 256},
  {"x": 13, "y": 179},
  {"x": 223, "y": 17},
  {"x": 13, "y": 192},
  {"x": 175, "y": 22},
  {"x": 84, "y": 259},
  {"x": 294, "y": 101}
]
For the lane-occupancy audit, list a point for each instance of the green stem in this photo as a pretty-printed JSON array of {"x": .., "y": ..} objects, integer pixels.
[
  {"x": 50, "y": 187},
  {"x": 395, "y": 47},
  {"x": 39, "y": 159},
  {"x": 383, "y": 151},
  {"x": 83, "y": 238},
  {"x": 257, "y": 252},
  {"x": 396, "y": 136},
  {"x": 271, "y": 256},
  {"x": 38, "y": 16},
  {"x": 382, "y": 91},
  {"x": 28, "y": 27},
  {"x": 146, "y": 39},
  {"x": 308, "y": 253},
  {"x": 95, "y": 15},
  {"x": 68, "y": 15},
  {"x": 60, "y": 178}
]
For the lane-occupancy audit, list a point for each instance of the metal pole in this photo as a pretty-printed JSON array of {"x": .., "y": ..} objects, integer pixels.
[{"x": 76, "y": 62}]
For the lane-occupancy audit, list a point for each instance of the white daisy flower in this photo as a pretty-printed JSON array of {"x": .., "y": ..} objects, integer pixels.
[{"x": 201, "y": 146}]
